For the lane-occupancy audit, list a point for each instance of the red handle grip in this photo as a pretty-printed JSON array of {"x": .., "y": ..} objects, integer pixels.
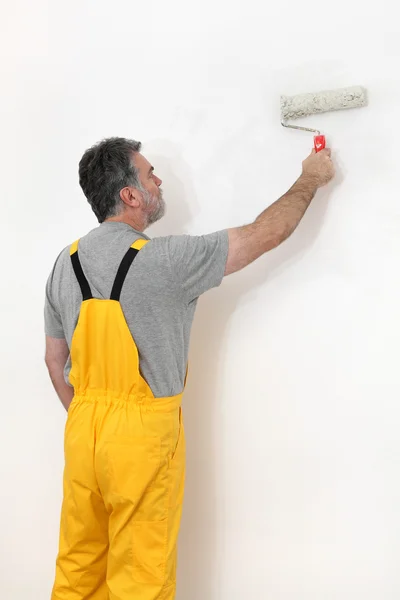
[{"x": 319, "y": 142}]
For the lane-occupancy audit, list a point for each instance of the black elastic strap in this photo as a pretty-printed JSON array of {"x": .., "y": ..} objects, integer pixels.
[
  {"x": 83, "y": 282},
  {"x": 122, "y": 273}
]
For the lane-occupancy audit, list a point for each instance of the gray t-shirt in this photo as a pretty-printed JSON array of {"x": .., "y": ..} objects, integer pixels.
[{"x": 158, "y": 298}]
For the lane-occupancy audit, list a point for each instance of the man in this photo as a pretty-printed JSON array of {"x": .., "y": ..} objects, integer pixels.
[{"x": 118, "y": 314}]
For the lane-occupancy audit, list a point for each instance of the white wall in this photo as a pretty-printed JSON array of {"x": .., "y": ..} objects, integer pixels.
[{"x": 292, "y": 407}]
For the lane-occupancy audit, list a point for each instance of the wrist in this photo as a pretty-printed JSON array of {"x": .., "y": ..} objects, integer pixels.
[{"x": 312, "y": 181}]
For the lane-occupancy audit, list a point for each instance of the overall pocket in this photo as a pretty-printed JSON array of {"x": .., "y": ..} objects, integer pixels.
[
  {"x": 177, "y": 465},
  {"x": 149, "y": 551},
  {"x": 132, "y": 465}
]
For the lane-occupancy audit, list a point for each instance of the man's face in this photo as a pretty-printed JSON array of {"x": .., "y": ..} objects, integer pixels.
[{"x": 152, "y": 194}]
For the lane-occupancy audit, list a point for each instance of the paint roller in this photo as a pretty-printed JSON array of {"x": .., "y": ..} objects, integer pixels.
[{"x": 303, "y": 105}]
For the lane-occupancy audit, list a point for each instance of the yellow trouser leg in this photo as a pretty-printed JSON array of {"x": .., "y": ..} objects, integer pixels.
[
  {"x": 140, "y": 469},
  {"x": 82, "y": 560},
  {"x": 123, "y": 493}
]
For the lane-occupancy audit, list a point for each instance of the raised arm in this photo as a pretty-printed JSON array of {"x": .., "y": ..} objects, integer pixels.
[{"x": 281, "y": 218}]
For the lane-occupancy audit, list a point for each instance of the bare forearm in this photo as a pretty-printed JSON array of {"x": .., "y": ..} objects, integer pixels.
[
  {"x": 64, "y": 391},
  {"x": 279, "y": 220},
  {"x": 272, "y": 226}
]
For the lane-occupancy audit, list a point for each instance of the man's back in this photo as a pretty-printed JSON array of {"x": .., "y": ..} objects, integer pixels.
[{"x": 158, "y": 298}]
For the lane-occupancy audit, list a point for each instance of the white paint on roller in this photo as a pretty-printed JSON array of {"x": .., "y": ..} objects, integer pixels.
[{"x": 295, "y": 107}]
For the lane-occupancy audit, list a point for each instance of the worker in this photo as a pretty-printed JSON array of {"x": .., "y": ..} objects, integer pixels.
[{"x": 118, "y": 314}]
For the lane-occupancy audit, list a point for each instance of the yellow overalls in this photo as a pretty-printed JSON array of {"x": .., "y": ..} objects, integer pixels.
[{"x": 124, "y": 463}]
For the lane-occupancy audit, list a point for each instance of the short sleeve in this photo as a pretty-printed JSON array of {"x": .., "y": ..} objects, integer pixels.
[
  {"x": 198, "y": 262},
  {"x": 52, "y": 319}
]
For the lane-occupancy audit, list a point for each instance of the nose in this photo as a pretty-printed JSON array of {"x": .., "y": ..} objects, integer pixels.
[{"x": 157, "y": 180}]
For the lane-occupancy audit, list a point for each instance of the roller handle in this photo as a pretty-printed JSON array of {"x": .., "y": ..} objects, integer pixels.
[{"x": 319, "y": 142}]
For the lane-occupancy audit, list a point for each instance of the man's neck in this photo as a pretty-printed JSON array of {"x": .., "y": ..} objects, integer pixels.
[{"x": 129, "y": 221}]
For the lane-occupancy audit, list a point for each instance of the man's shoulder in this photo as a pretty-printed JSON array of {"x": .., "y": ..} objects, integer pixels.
[{"x": 184, "y": 241}]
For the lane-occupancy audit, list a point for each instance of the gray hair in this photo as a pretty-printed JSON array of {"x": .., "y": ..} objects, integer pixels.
[{"x": 104, "y": 170}]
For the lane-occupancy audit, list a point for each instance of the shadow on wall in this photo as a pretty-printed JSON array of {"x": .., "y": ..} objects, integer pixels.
[{"x": 200, "y": 548}]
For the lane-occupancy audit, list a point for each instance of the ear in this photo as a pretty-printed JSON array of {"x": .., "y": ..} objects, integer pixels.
[{"x": 130, "y": 196}]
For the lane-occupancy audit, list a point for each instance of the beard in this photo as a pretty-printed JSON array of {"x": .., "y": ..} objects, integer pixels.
[{"x": 155, "y": 206}]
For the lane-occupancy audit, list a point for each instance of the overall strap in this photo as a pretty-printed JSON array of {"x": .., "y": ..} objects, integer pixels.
[
  {"x": 76, "y": 264},
  {"x": 124, "y": 268}
]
